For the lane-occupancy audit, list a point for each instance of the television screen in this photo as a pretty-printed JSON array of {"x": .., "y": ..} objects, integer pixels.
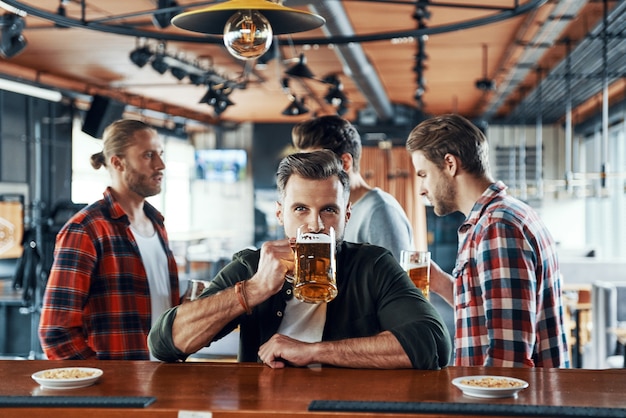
[{"x": 221, "y": 165}]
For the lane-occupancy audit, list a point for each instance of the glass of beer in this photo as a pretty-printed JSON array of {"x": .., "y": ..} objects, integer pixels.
[
  {"x": 314, "y": 275},
  {"x": 194, "y": 289},
  {"x": 417, "y": 265}
]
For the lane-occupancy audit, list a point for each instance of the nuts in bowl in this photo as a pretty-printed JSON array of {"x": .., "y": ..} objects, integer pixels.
[
  {"x": 67, "y": 377},
  {"x": 490, "y": 386}
]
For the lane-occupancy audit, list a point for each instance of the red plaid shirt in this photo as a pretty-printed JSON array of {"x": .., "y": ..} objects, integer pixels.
[
  {"x": 508, "y": 304},
  {"x": 97, "y": 299}
]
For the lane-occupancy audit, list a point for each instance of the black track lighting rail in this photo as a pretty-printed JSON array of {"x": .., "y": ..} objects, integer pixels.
[{"x": 518, "y": 7}]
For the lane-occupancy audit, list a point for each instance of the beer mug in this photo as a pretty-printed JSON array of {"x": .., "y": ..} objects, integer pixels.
[
  {"x": 417, "y": 265},
  {"x": 314, "y": 275}
]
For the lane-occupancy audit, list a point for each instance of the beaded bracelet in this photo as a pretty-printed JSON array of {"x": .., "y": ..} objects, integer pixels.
[{"x": 240, "y": 290}]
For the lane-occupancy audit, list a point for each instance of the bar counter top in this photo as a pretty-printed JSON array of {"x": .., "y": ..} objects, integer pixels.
[{"x": 219, "y": 389}]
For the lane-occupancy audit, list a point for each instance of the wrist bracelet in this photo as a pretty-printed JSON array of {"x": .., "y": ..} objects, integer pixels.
[{"x": 240, "y": 290}]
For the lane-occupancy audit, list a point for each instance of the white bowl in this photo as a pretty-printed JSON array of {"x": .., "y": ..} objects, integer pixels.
[
  {"x": 468, "y": 384},
  {"x": 67, "y": 383}
]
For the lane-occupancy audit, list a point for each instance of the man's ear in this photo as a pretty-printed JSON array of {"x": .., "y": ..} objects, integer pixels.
[
  {"x": 347, "y": 162},
  {"x": 451, "y": 164},
  {"x": 117, "y": 163},
  {"x": 279, "y": 213}
]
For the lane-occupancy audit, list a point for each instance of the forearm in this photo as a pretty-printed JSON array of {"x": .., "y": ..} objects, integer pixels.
[
  {"x": 382, "y": 351},
  {"x": 442, "y": 283},
  {"x": 197, "y": 322}
]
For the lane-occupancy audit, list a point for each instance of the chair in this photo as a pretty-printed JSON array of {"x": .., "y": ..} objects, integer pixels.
[{"x": 607, "y": 312}]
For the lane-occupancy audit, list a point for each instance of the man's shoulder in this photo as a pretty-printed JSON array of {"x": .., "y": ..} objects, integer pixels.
[
  {"x": 95, "y": 213},
  {"x": 508, "y": 208},
  {"x": 379, "y": 200}
]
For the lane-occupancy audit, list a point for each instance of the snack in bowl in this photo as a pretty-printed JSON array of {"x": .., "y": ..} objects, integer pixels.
[
  {"x": 67, "y": 377},
  {"x": 490, "y": 386},
  {"x": 67, "y": 373},
  {"x": 493, "y": 382}
]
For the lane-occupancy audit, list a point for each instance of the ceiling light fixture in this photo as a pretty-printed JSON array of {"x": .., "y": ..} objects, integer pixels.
[
  {"x": 159, "y": 65},
  {"x": 296, "y": 107},
  {"x": 335, "y": 95},
  {"x": 272, "y": 52},
  {"x": 485, "y": 83},
  {"x": 141, "y": 56},
  {"x": 29, "y": 90},
  {"x": 300, "y": 69},
  {"x": 12, "y": 41},
  {"x": 421, "y": 14},
  {"x": 178, "y": 72},
  {"x": 217, "y": 96},
  {"x": 248, "y": 25},
  {"x": 163, "y": 16}
]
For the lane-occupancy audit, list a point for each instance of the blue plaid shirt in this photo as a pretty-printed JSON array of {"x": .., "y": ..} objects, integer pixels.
[{"x": 508, "y": 305}]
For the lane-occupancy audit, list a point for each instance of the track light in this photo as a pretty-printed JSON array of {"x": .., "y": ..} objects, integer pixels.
[
  {"x": 342, "y": 109},
  {"x": 221, "y": 105},
  {"x": 162, "y": 19},
  {"x": 248, "y": 25},
  {"x": 198, "y": 79},
  {"x": 12, "y": 42},
  {"x": 296, "y": 107},
  {"x": 178, "y": 72},
  {"x": 485, "y": 83},
  {"x": 210, "y": 97},
  {"x": 217, "y": 97},
  {"x": 335, "y": 95},
  {"x": 141, "y": 56},
  {"x": 300, "y": 69},
  {"x": 159, "y": 64}
]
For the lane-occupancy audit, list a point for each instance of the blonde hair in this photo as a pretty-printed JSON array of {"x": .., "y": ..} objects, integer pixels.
[{"x": 117, "y": 137}]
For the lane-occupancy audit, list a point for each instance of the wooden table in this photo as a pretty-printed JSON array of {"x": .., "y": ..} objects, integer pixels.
[{"x": 254, "y": 390}]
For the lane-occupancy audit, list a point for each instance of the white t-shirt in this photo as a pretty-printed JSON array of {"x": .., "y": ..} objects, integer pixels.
[
  {"x": 155, "y": 262},
  {"x": 303, "y": 321}
]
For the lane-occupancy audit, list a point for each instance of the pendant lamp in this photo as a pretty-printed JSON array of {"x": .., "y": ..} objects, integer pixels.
[{"x": 248, "y": 25}]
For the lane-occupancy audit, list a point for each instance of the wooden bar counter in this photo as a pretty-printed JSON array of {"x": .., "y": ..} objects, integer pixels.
[{"x": 214, "y": 389}]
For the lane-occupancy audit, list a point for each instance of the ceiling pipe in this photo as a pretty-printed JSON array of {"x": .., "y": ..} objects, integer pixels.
[
  {"x": 356, "y": 65},
  {"x": 605, "y": 96},
  {"x": 586, "y": 68},
  {"x": 546, "y": 36}
]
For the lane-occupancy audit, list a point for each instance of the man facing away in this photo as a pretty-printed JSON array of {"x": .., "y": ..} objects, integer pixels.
[
  {"x": 378, "y": 320},
  {"x": 113, "y": 272},
  {"x": 505, "y": 287},
  {"x": 377, "y": 217}
]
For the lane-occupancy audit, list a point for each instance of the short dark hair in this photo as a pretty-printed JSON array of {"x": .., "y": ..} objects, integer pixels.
[
  {"x": 451, "y": 134},
  {"x": 328, "y": 132},
  {"x": 317, "y": 165}
]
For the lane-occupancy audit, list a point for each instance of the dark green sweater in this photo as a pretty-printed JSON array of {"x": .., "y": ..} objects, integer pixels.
[{"x": 374, "y": 295}]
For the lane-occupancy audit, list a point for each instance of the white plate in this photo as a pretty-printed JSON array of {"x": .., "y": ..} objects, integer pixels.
[
  {"x": 69, "y": 383},
  {"x": 489, "y": 392}
]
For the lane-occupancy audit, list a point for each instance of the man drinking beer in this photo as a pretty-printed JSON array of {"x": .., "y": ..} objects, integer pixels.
[{"x": 378, "y": 318}]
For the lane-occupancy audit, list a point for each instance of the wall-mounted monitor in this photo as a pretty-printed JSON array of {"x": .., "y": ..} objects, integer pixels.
[{"x": 221, "y": 165}]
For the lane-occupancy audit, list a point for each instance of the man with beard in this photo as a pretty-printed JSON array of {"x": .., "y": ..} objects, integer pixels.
[
  {"x": 505, "y": 287},
  {"x": 378, "y": 320},
  {"x": 377, "y": 217},
  {"x": 113, "y": 272}
]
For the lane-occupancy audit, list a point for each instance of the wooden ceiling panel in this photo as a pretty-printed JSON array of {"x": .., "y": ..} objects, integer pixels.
[{"x": 98, "y": 61}]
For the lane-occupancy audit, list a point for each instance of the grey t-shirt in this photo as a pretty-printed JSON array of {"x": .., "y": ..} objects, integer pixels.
[{"x": 377, "y": 218}]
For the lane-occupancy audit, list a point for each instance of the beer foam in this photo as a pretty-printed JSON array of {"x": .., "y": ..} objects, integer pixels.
[{"x": 313, "y": 238}]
